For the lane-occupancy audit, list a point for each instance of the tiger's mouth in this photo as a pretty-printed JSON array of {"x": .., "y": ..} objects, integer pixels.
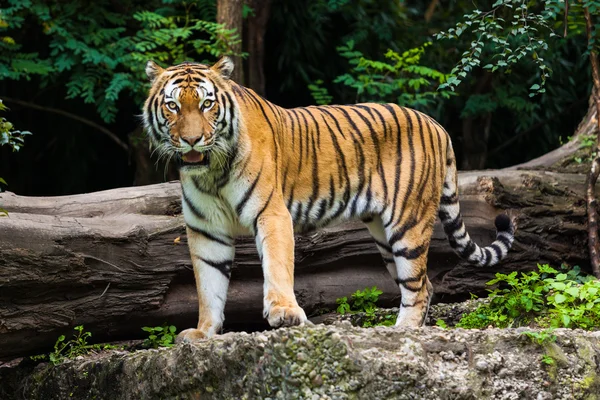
[{"x": 196, "y": 158}]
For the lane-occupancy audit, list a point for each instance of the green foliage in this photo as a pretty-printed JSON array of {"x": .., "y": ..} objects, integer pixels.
[
  {"x": 101, "y": 54},
  {"x": 8, "y": 136},
  {"x": 441, "y": 323},
  {"x": 160, "y": 336},
  {"x": 364, "y": 301},
  {"x": 74, "y": 347},
  {"x": 319, "y": 93},
  {"x": 401, "y": 79},
  {"x": 548, "y": 298},
  {"x": 548, "y": 359},
  {"x": 511, "y": 32},
  {"x": 542, "y": 337},
  {"x": 11, "y": 138}
]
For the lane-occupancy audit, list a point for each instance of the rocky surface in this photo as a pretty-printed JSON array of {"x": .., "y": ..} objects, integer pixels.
[
  {"x": 330, "y": 362},
  {"x": 450, "y": 313}
]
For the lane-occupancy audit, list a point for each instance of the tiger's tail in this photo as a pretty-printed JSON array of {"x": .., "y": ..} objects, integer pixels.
[{"x": 460, "y": 241}]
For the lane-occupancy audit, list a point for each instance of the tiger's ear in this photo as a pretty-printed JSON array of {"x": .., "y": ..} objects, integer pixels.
[
  {"x": 153, "y": 70},
  {"x": 224, "y": 67}
]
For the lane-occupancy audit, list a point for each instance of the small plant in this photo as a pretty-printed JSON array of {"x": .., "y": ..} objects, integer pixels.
[
  {"x": 441, "y": 323},
  {"x": 548, "y": 359},
  {"x": 76, "y": 346},
  {"x": 364, "y": 301},
  {"x": 160, "y": 336},
  {"x": 547, "y": 298},
  {"x": 542, "y": 337}
]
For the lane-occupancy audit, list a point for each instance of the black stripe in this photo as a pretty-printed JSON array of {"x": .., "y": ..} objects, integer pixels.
[
  {"x": 449, "y": 200},
  {"x": 367, "y": 219},
  {"x": 228, "y": 241},
  {"x": 488, "y": 255},
  {"x": 372, "y": 131},
  {"x": 452, "y": 226},
  {"x": 412, "y": 254},
  {"x": 384, "y": 246},
  {"x": 331, "y": 191},
  {"x": 469, "y": 249},
  {"x": 310, "y": 111},
  {"x": 337, "y": 124},
  {"x": 300, "y": 141},
  {"x": 340, "y": 158},
  {"x": 504, "y": 240},
  {"x": 231, "y": 116},
  {"x": 496, "y": 250},
  {"x": 342, "y": 109},
  {"x": 195, "y": 210},
  {"x": 390, "y": 108},
  {"x": 399, "y": 234},
  {"x": 360, "y": 163},
  {"x": 315, "y": 181},
  {"x": 255, "y": 223},
  {"x": 223, "y": 267},
  {"x": 411, "y": 177},
  {"x": 408, "y": 280},
  {"x": 322, "y": 208},
  {"x": 248, "y": 193},
  {"x": 381, "y": 120},
  {"x": 290, "y": 199},
  {"x": 298, "y": 214}
]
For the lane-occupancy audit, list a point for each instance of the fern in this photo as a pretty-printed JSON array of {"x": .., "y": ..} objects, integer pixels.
[
  {"x": 101, "y": 54},
  {"x": 400, "y": 79}
]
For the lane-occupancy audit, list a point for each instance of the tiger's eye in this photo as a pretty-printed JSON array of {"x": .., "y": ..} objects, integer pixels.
[
  {"x": 171, "y": 105},
  {"x": 207, "y": 103}
]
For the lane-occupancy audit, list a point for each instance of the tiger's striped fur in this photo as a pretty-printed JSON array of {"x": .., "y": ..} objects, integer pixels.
[{"x": 249, "y": 167}]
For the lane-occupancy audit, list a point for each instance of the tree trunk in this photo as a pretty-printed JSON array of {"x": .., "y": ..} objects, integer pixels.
[
  {"x": 117, "y": 260},
  {"x": 229, "y": 12},
  {"x": 257, "y": 27},
  {"x": 589, "y": 123},
  {"x": 476, "y": 132}
]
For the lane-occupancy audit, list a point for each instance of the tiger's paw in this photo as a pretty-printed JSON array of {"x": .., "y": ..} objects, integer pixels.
[
  {"x": 279, "y": 316},
  {"x": 190, "y": 335}
]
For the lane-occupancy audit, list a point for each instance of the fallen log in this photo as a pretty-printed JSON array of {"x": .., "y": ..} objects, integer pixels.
[{"x": 117, "y": 260}]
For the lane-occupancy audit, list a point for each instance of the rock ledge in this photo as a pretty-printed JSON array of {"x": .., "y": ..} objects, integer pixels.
[{"x": 330, "y": 362}]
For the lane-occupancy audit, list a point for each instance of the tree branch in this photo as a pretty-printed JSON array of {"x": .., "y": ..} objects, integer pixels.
[
  {"x": 592, "y": 213},
  {"x": 84, "y": 121}
]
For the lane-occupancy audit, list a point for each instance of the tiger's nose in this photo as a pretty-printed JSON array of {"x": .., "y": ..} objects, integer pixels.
[{"x": 192, "y": 140}]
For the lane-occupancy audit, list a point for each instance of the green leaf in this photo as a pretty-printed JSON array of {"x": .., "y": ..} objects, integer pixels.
[{"x": 559, "y": 298}]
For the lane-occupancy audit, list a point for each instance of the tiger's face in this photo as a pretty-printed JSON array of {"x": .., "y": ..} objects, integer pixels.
[{"x": 185, "y": 115}]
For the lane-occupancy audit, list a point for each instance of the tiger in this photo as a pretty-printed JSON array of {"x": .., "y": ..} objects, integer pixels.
[{"x": 250, "y": 167}]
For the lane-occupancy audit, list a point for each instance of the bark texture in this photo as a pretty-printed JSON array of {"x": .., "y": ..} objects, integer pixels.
[
  {"x": 229, "y": 13},
  {"x": 117, "y": 260},
  {"x": 329, "y": 362},
  {"x": 257, "y": 28}
]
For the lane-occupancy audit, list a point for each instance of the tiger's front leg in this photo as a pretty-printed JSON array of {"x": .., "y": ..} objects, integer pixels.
[
  {"x": 212, "y": 257},
  {"x": 275, "y": 244}
]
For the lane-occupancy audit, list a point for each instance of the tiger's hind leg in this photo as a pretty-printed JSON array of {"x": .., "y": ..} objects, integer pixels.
[
  {"x": 409, "y": 247},
  {"x": 377, "y": 231}
]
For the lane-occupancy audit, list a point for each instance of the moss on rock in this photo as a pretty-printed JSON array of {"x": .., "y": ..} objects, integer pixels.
[{"x": 326, "y": 362}]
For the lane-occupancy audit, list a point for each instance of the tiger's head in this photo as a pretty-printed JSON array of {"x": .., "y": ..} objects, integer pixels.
[{"x": 190, "y": 114}]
